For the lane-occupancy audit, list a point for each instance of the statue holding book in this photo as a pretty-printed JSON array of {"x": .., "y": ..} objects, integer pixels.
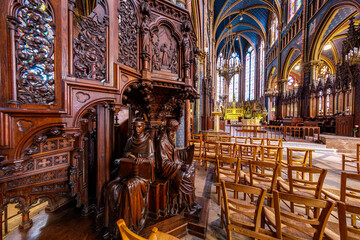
[{"x": 176, "y": 166}]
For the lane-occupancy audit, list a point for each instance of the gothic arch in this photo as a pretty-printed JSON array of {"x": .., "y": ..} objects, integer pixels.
[
  {"x": 315, "y": 45},
  {"x": 286, "y": 65}
]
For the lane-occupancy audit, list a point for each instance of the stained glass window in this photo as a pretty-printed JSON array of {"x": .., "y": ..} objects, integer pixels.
[
  {"x": 294, "y": 5},
  {"x": 290, "y": 81},
  {"x": 273, "y": 30},
  {"x": 220, "y": 80},
  {"x": 262, "y": 62},
  {"x": 234, "y": 83},
  {"x": 250, "y": 74},
  {"x": 35, "y": 53}
]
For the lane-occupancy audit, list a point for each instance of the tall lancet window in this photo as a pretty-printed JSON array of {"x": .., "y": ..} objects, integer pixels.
[
  {"x": 294, "y": 5},
  {"x": 220, "y": 80},
  {"x": 234, "y": 83},
  {"x": 262, "y": 62},
  {"x": 273, "y": 30},
  {"x": 250, "y": 74}
]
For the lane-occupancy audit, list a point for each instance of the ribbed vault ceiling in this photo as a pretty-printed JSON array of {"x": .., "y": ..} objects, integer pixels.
[{"x": 248, "y": 19}]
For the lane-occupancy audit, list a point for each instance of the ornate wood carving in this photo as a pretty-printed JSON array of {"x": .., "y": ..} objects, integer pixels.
[
  {"x": 35, "y": 37},
  {"x": 128, "y": 32},
  {"x": 24, "y": 125},
  {"x": 164, "y": 51},
  {"x": 90, "y": 49},
  {"x": 82, "y": 97}
]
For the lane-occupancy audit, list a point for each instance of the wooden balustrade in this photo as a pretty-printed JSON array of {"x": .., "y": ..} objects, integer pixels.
[{"x": 288, "y": 133}]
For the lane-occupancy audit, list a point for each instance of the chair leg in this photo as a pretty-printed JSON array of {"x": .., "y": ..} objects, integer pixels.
[
  {"x": 358, "y": 167},
  {"x": 206, "y": 165},
  {"x": 199, "y": 163},
  {"x": 228, "y": 233},
  {"x": 343, "y": 162},
  {"x": 219, "y": 194}
]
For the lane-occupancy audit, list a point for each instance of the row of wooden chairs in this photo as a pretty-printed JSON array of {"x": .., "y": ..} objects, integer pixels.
[{"x": 348, "y": 202}]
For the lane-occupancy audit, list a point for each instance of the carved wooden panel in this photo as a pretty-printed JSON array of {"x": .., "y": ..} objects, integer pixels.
[
  {"x": 164, "y": 51},
  {"x": 35, "y": 53},
  {"x": 128, "y": 32},
  {"x": 90, "y": 49}
]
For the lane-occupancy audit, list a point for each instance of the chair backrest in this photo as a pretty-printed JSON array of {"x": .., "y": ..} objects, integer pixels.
[
  {"x": 126, "y": 233},
  {"x": 348, "y": 232},
  {"x": 257, "y": 141},
  {"x": 264, "y": 173},
  {"x": 211, "y": 138},
  {"x": 301, "y": 180},
  {"x": 227, "y": 170},
  {"x": 271, "y": 153},
  {"x": 246, "y": 151},
  {"x": 237, "y": 207},
  {"x": 227, "y": 149},
  {"x": 242, "y": 140},
  {"x": 299, "y": 156},
  {"x": 197, "y": 137},
  {"x": 211, "y": 148},
  {"x": 314, "y": 226},
  {"x": 274, "y": 142},
  {"x": 226, "y": 138},
  {"x": 348, "y": 194}
]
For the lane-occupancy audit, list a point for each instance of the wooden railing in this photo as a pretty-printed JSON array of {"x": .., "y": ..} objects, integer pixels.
[{"x": 288, "y": 133}]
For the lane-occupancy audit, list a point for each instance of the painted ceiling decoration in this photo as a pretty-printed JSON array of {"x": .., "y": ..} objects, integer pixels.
[{"x": 246, "y": 19}]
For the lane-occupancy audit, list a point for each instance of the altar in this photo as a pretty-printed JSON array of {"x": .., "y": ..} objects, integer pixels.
[{"x": 250, "y": 122}]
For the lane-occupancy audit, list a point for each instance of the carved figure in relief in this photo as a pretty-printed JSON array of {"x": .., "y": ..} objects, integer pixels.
[
  {"x": 126, "y": 196},
  {"x": 156, "y": 57},
  {"x": 186, "y": 46},
  {"x": 165, "y": 56},
  {"x": 176, "y": 165}
]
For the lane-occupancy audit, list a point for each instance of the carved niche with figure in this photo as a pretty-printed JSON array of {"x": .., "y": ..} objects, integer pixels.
[{"x": 164, "y": 51}]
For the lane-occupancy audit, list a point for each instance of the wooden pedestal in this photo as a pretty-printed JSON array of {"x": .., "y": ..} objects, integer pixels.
[{"x": 182, "y": 224}]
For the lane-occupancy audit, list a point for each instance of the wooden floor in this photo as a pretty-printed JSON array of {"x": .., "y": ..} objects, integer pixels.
[{"x": 64, "y": 224}]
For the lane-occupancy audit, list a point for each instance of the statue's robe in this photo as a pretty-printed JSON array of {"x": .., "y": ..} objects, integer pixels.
[
  {"x": 168, "y": 165},
  {"x": 126, "y": 198}
]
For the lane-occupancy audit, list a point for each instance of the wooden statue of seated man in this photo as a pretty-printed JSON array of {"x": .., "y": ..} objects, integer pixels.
[
  {"x": 176, "y": 165},
  {"x": 127, "y": 196}
]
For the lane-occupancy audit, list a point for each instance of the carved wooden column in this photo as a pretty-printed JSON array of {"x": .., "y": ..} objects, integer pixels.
[
  {"x": 24, "y": 209},
  {"x": 1, "y": 230},
  {"x": 12, "y": 25},
  {"x": 104, "y": 142},
  {"x": 187, "y": 122},
  {"x": 71, "y": 6},
  {"x": 145, "y": 38}
]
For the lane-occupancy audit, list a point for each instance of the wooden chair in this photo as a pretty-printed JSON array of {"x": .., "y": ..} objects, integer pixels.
[
  {"x": 127, "y": 234},
  {"x": 227, "y": 169},
  {"x": 354, "y": 159},
  {"x": 271, "y": 154},
  {"x": 263, "y": 175},
  {"x": 211, "y": 150},
  {"x": 212, "y": 138},
  {"x": 227, "y": 149},
  {"x": 347, "y": 232},
  {"x": 242, "y": 140},
  {"x": 300, "y": 182},
  {"x": 290, "y": 225},
  {"x": 197, "y": 140},
  {"x": 274, "y": 142},
  {"x": 226, "y": 139},
  {"x": 299, "y": 157},
  {"x": 246, "y": 151},
  {"x": 257, "y": 141},
  {"x": 241, "y": 216}
]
